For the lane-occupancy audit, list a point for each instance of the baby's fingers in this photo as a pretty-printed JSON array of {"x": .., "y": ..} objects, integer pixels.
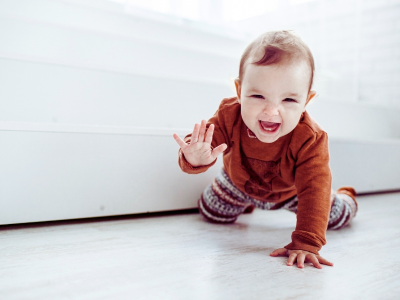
[
  {"x": 202, "y": 130},
  {"x": 195, "y": 134},
  {"x": 217, "y": 151},
  {"x": 279, "y": 252},
  {"x": 300, "y": 260},
  {"x": 291, "y": 259},
  {"x": 324, "y": 261},
  {"x": 314, "y": 261},
  {"x": 209, "y": 134},
  {"x": 180, "y": 142}
]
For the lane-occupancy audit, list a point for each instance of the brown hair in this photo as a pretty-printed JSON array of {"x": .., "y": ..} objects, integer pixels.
[{"x": 278, "y": 46}]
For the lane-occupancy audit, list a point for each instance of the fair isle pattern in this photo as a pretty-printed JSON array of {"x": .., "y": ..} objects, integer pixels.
[
  {"x": 227, "y": 186},
  {"x": 223, "y": 202},
  {"x": 219, "y": 205},
  {"x": 225, "y": 182},
  {"x": 213, "y": 218},
  {"x": 350, "y": 202},
  {"x": 342, "y": 211}
]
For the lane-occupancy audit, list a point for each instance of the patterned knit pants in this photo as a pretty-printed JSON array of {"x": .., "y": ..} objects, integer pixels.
[{"x": 223, "y": 202}]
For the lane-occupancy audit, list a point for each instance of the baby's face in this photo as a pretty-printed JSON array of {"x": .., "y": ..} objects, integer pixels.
[{"x": 273, "y": 98}]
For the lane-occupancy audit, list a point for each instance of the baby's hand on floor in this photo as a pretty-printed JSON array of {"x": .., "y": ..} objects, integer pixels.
[
  {"x": 198, "y": 152},
  {"x": 301, "y": 256}
]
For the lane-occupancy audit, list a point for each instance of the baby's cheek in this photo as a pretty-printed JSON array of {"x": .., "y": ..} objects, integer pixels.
[
  {"x": 248, "y": 120},
  {"x": 248, "y": 113},
  {"x": 290, "y": 121}
]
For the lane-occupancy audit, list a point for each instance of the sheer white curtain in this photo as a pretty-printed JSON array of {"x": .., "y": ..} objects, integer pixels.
[
  {"x": 355, "y": 42},
  {"x": 210, "y": 11}
]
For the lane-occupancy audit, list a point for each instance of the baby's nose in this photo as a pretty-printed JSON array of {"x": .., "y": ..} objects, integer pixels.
[{"x": 271, "y": 109}]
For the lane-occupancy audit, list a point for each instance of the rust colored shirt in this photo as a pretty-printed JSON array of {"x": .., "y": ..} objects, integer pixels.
[{"x": 295, "y": 164}]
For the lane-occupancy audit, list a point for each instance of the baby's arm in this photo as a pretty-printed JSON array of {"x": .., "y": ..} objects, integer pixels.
[
  {"x": 198, "y": 152},
  {"x": 313, "y": 183}
]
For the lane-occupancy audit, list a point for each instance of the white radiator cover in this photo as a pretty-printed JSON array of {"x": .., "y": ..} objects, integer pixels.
[
  {"x": 51, "y": 175},
  {"x": 55, "y": 172}
]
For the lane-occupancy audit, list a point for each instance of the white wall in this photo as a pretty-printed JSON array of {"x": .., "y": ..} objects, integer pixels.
[
  {"x": 76, "y": 63},
  {"x": 96, "y": 63},
  {"x": 355, "y": 43}
]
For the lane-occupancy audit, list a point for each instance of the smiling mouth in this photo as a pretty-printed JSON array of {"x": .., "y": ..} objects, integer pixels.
[{"x": 269, "y": 127}]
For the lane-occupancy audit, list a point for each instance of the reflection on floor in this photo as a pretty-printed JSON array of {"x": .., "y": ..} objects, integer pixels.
[{"x": 183, "y": 257}]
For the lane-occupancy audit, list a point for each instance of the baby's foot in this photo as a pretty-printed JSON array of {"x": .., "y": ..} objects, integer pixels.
[
  {"x": 347, "y": 194},
  {"x": 249, "y": 209}
]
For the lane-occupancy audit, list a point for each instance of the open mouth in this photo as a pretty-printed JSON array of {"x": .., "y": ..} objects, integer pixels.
[{"x": 269, "y": 127}]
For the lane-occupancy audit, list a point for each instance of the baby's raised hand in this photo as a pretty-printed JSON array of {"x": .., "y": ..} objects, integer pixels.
[
  {"x": 301, "y": 256},
  {"x": 198, "y": 152}
]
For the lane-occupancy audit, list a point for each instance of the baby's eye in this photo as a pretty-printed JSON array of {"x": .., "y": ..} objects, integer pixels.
[
  {"x": 257, "y": 96},
  {"x": 289, "y": 100}
]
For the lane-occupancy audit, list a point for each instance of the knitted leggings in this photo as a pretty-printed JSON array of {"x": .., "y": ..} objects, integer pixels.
[{"x": 223, "y": 202}]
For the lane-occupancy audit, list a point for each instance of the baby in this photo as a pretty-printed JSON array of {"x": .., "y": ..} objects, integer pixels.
[{"x": 275, "y": 155}]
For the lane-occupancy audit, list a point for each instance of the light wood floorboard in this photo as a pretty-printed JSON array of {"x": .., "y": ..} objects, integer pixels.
[{"x": 183, "y": 257}]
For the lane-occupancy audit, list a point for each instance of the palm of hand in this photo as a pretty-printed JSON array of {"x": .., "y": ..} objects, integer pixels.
[{"x": 199, "y": 152}]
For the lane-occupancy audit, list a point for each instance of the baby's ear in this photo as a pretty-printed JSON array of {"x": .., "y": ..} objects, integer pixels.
[
  {"x": 238, "y": 88},
  {"x": 311, "y": 95}
]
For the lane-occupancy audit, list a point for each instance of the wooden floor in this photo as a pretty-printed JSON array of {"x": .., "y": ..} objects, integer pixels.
[{"x": 183, "y": 257}]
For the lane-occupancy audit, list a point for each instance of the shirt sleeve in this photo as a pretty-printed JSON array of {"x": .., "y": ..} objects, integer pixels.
[
  {"x": 220, "y": 136},
  {"x": 313, "y": 181}
]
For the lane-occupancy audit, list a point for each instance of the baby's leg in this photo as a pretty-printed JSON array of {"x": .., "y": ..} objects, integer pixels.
[
  {"x": 221, "y": 201},
  {"x": 343, "y": 209}
]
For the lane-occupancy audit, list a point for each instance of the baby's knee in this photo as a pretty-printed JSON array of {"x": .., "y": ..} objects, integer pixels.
[{"x": 215, "y": 215}]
